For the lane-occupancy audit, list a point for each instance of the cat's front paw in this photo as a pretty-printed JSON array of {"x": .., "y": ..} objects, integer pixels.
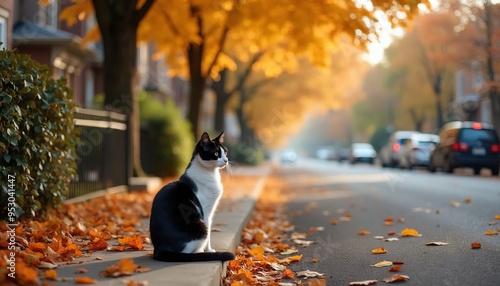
[{"x": 210, "y": 250}]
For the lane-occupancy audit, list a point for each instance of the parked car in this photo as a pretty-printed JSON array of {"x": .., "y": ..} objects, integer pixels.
[
  {"x": 390, "y": 153},
  {"x": 466, "y": 145},
  {"x": 417, "y": 150},
  {"x": 288, "y": 156},
  {"x": 326, "y": 153},
  {"x": 362, "y": 152}
]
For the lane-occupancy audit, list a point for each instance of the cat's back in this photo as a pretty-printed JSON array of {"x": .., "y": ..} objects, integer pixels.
[{"x": 176, "y": 192}]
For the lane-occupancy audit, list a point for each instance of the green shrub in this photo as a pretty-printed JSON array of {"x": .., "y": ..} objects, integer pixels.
[
  {"x": 246, "y": 154},
  {"x": 37, "y": 141},
  {"x": 166, "y": 137}
]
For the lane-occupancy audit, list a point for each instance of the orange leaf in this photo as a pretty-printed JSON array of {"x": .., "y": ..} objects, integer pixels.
[
  {"x": 84, "y": 280},
  {"x": 334, "y": 222},
  {"x": 391, "y": 233},
  {"x": 257, "y": 252},
  {"x": 288, "y": 273},
  {"x": 409, "y": 232},
  {"x": 295, "y": 258},
  {"x": 497, "y": 217},
  {"x": 37, "y": 246},
  {"x": 396, "y": 278},
  {"x": 316, "y": 282},
  {"x": 50, "y": 274},
  {"x": 124, "y": 267},
  {"x": 475, "y": 245},
  {"x": 364, "y": 232},
  {"x": 99, "y": 244},
  {"x": 380, "y": 250},
  {"x": 25, "y": 275},
  {"x": 395, "y": 268},
  {"x": 134, "y": 241},
  {"x": 315, "y": 260},
  {"x": 398, "y": 262}
]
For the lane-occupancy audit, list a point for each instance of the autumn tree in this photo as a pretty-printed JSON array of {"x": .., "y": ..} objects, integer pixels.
[
  {"x": 199, "y": 38},
  {"x": 117, "y": 24}
]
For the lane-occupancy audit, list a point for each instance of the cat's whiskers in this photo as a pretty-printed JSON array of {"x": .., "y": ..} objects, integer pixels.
[{"x": 231, "y": 167}]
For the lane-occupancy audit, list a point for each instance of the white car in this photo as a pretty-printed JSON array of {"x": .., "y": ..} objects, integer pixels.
[
  {"x": 362, "y": 152},
  {"x": 390, "y": 153},
  {"x": 417, "y": 150}
]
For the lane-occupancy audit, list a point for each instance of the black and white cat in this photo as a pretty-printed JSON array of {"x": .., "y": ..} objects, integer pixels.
[{"x": 182, "y": 211}]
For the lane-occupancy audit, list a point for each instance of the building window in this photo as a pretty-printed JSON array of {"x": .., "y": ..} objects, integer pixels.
[
  {"x": 47, "y": 15},
  {"x": 3, "y": 33}
]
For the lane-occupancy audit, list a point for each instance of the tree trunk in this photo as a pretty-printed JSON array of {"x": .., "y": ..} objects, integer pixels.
[
  {"x": 219, "y": 87},
  {"x": 118, "y": 22},
  {"x": 437, "y": 92},
  {"x": 495, "y": 108},
  {"x": 197, "y": 86}
]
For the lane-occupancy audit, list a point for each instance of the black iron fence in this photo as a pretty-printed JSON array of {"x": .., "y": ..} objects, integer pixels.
[{"x": 102, "y": 152}]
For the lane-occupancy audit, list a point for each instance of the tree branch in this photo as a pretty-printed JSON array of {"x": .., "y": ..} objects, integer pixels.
[
  {"x": 242, "y": 79},
  {"x": 139, "y": 14},
  {"x": 170, "y": 23}
]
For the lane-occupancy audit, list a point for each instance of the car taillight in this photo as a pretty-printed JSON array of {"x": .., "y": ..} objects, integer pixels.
[
  {"x": 495, "y": 148},
  {"x": 460, "y": 146},
  {"x": 396, "y": 147},
  {"x": 477, "y": 126}
]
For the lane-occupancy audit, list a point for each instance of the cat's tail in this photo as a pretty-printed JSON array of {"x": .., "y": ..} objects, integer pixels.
[{"x": 168, "y": 256}]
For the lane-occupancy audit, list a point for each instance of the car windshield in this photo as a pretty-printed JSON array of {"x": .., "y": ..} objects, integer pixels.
[
  {"x": 402, "y": 141},
  {"x": 483, "y": 135}
]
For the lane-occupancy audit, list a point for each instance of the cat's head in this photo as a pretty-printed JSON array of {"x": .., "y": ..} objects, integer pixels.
[{"x": 211, "y": 153}]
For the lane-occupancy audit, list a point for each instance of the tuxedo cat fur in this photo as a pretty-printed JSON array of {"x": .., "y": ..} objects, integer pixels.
[{"x": 182, "y": 211}]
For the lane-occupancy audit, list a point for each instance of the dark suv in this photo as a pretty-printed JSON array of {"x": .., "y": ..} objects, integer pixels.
[{"x": 466, "y": 145}]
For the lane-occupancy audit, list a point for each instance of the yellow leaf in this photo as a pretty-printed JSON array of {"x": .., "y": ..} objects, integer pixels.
[
  {"x": 295, "y": 258},
  {"x": 497, "y": 217},
  {"x": 288, "y": 273},
  {"x": 409, "y": 232},
  {"x": 490, "y": 232}
]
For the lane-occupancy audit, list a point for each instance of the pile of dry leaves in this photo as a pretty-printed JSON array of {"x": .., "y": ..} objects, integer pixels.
[{"x": 269, "y": 245}]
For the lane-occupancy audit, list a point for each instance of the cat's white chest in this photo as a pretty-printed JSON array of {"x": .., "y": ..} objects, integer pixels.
[{"x": 209, "y": 189}]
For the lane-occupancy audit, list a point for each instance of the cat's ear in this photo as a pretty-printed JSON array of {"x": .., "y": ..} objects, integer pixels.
[
  {"x": 220, "y": 138},
  {"x": 205, "y": 138}
]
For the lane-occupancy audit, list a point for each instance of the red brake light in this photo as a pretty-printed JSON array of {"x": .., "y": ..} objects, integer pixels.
[
  {"x": 477, "y": 126},
  {"x": 396, "y": 147},
  {"x": 460, "y": 146},
  {"x": 495, "y": 148}
]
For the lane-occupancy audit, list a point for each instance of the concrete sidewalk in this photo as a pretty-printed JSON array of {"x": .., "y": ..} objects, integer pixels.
[{"x": 229, "y": 222}]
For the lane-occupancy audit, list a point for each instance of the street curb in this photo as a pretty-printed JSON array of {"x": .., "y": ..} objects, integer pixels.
[{"x": 230, "y": 224}]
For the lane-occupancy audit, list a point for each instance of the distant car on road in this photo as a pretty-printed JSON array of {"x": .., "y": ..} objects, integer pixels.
[
  {"x": 417, "y": 150},
  {"x": 466, "y": 145},
  {"x": 362, "y": 152},
  {"x": 390, "y": 153},
  {"x": 288, "y": 156},
  {"x": 326, "y": 153}
]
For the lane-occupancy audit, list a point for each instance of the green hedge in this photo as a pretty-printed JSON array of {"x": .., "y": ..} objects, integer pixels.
[
  {"x": 246, "y": 154},
  {"x": 38, "y": 139},
  {"x": 166, "y": 139}
]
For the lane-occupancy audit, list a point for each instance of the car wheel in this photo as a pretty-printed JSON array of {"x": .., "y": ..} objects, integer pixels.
[
  {"x": 447, "y": 166},
  {"x": 431, "y": 168},
  {"x": 495, "y": 171},
  {"x": 477, "y": 171}
]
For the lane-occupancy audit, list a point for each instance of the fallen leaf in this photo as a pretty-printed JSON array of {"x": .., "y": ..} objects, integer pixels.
[
  {"x": 50, "y": 274},
  {"x": 135, "y": 242},
  {"x": 436, "y": 243},
  {"x": 398, "y": 262},
  {"x": 491, "y": 232},
  {"x": 390, "y": 239},
  {"x": 98, "y": 244},
  {"x": 379, "y": 250},
  {"x": 310, "y": 274},
  {"x": 85, "y": 280},
  {"x": 395, "y": 268},
  {"x": 379, "y": 237},
  {"x": 315, "y": 260},
  {"x": 46, "y": 265},
  {"x": 124, "y": 267},
  {"x": 257, "y": 252},
  {"x": 497, "y": 217},
  {"x": 316, "y": 282},
  {"x": 289, "y": 251},
  {"x": 288, "y": 273},
  {"x": 334, "y": 222},
  {"x": 467, "y": 200},
  {"x": 409, "y": 232},
  {"x": 475, "y": 245},
  {"x": 316, "y": 228},
  {"x": 383, "y": 263},
  {"x": 364, "y": 232},
  {"x": 455, "y": 204},
  {"x": 303, "y": 242},
  {"x": 391, "y": 232},
  {"x": 362, "y": 283},
  {"x": 492, "y": 222},
  {"x": 396, "y": 278},
  {"x": 142, "y": 269}
]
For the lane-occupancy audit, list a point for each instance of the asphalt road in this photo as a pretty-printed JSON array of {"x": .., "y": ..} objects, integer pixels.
[{"x": 455, "y": 209}]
